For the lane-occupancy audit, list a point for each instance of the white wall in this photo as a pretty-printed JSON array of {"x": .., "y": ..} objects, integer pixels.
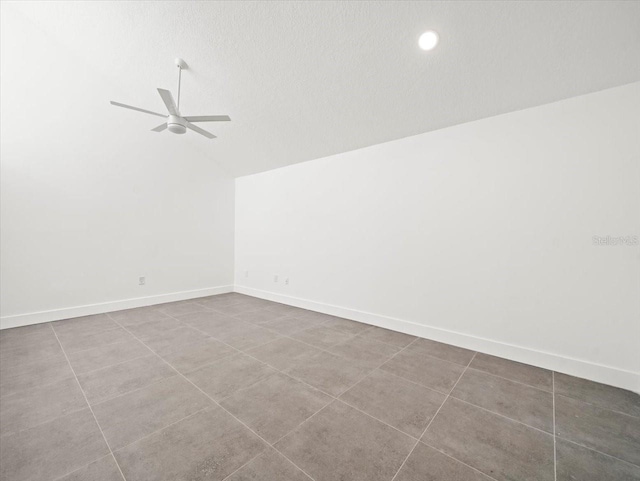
[
  {"x": 479, "y": 235},
  {"x": 91, "y": 199}
]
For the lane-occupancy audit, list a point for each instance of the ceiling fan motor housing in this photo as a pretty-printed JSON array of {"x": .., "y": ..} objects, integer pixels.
[{"x": 176, "y": 124}]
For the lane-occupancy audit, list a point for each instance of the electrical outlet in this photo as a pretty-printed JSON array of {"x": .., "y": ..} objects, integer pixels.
[
  {"x": 275, "y": 278},
  {"x": 141, "y": 281},
  {"x": 286, "y": 281},
  {"x": 246, "y": 273}
]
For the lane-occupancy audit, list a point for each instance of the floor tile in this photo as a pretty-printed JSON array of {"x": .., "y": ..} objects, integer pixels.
[
  {"x": 365, "y": 351},
  {"x": 321, "y": 336},
  {"x": 27, "y": 376},
  {"x": 103, "y": 356},
  {"x": 246, "y": 336},
  {"x": 26, "y": 409},
  {"x": 446, "y": 352},
  {"x": 218, "y": 300},
  {"x": 73, "y": 341},
  {"x": 601, "y": 395},
  {"x": 341, "y": 443},
  {"x": 400, "y": 403},
  {"x": 426, "y": 370},
  {"x": 289, "y": 325},
  {"x": 520, "y": 402},
  {"x": 497, "y": 446},
  {"x": 235, "y": 309},
  {"x": 53, "y": 449},
  {"x": 127, "y": 418},
  {"x": 140, "y": 315},
  {"x": 212, "y": 323},
  {"x": 18, "y": 356},
  {"x": 288, "y": 310},
  {"x": 275, "y": 405},
  {"x": 180, "y": 308},
  {"x": 228, "y": 375},
  {"x": 167, "y": 342},
  {"x": 576, "y": 463},
  {"x": 195, "y": 356},
  {"x": 258, "y": 316},
  {"x": 346, "y": 325},
  {"x": 84, "y": 325},
  {"x": 104, "y": 469},
  {"x": 283, "y": 353},
  {"x": 600, "y": 429},
  {"x": 27, "y": 336},
  {"x": 150, "y": 329},
  {"x": 427, "y": 464},
  {"x": 515, "y": 371},
  {"x": 328, "y": 372},
  {"x": 318, "y": 317},
  {"x": 269, "y": 466},
  {"x": 390, "y": 337},
  {"x": 208, "y": 445},
  {"x": 121, "y": 378}
]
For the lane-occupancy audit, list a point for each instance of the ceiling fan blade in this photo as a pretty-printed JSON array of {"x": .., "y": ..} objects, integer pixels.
[
  {"x": 208, "y": 118},
  {"x": 195, "y": 128},
  {"x": 118, "y": 104},
  {"x": 167, "y": 98},
  {"x": 160, "y": 128}
]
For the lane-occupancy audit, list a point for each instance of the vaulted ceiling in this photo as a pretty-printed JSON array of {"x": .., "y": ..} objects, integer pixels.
[{"x": 300, "y": 80}]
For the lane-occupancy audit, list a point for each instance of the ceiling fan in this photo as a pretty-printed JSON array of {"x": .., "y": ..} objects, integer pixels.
[{"x": 176, "y": 123}]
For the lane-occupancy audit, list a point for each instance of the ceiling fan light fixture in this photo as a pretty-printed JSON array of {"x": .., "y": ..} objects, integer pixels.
[
  {"x": 428, "y": 40},
  {"x": 176, "y": 124}
]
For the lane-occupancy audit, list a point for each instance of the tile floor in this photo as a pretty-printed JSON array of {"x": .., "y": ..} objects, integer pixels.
[{"x": 236, "y": 388}]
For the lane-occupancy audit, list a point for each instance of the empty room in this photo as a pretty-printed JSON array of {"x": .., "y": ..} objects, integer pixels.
[{"x": 320, "y": 240}]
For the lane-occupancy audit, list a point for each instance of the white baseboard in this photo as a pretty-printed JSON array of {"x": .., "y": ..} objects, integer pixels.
[
  {"x": 575, "y": 367},
  {"x": 87, "y": 310}
]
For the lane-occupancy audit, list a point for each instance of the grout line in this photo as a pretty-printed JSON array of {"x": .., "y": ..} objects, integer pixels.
[
  {"x": 432, "y": 419},
  {"x": 457, "y": 460},
  {"x": 81, "y": 467},
  {"x": 112, "y": 365},
  {"x": 599, "y": 452},
  {"x": 555, "y": 456},
  {"x": 512, "y": 380},
  {"x": 218, "y": 404},
  {"x": 69, "y": 413},
  {"x": 597, "y": 406},
  {"x": 252, "y": 459},
  {"x": 89, "y": 405}
]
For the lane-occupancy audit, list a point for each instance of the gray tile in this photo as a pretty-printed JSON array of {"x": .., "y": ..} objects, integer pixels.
[
  {"x": 365, "y": 351},
  {"x": 600, "y": 429},
  {"x": 150, "y": 329},
  {"x": 127, "y": 418},
  {"x": 27, "y": 376},
  {"x": 140, "y": 315},
  {"x": 195, "y": 356},
  {"x": 427, "y": 464},
  {"x": 235, "y": 309},
  {"x": 212, "y": 323},
  {"x": 341, "y": 443},
  {"x": 283, "y": 353},
  {"x": 578, "y": 463},
  {"x": 426, "y": 370},
  {"x": 400, "y": 403},
  {"x": 104, "y": 469},
  {"x": 329, "y": 373},
  {"x": 446, "y": 352},
  {"x": 121, "y": 378},
  {"x": 607, "y": 397},
  {"x": 390, "y": 337},
  {"x": 167, "y": 342},
  {"x": 275, "y": 405},
  {"x": 26, "y": 336},
  {"x": 289, "y": 325},
  {"x": 321, "y": 336},
  {"x": 73, "y": 341},
  {"x": 218, "y": 300},
  {"x": 270, "y": 466},
  {"x": 246, "y": 336},
  {"x": 318, "y": 317},
  {"x": 497, "y": 446},
  {"x": 226, "y": 376},
  {"x": 346, "y": 325},
  {"x": 258, "y": 316},
  {"x": 288, "y": 310},
  {"x": 517, "y": 401},
  {"x": 53, "y": 449},
  {"x": 209, "y": 445},
  {"x": 515, "y": 371},
  {"x": 26, "y": 409},
  {"x": 27, "y": 353},
  {"x": 103, "y": 356},
  {"x": 84, "y": 325},
  {"x": 180, "y": 308}
]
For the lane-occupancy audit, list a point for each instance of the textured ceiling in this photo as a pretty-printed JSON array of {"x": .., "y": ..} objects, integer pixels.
[{"x": 303, "y": 80}]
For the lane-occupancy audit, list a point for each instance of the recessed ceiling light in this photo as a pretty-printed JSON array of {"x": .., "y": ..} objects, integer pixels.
[{"x": 428, "y": 40}]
